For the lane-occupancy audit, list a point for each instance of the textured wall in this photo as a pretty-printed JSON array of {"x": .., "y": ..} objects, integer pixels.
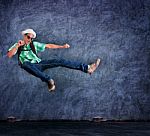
[{"x": 116, "y": 31}]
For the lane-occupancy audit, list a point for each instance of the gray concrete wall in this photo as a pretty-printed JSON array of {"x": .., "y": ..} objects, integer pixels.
[{"x": 116, "y": 31}]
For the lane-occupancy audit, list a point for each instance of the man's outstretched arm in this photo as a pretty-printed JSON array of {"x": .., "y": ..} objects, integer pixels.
[{"x": 54, "y": 46}]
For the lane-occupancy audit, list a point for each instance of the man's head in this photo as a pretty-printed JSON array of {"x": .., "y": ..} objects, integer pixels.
[{"x": 28, "y": 35}]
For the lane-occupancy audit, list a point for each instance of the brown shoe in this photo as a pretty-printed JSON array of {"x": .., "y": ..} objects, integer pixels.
[
  {"x": 51, "y": 85},
  {"x": 93, "y": 66}
]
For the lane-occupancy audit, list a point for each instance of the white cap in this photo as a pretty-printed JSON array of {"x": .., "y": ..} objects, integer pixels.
[{"x": 29, "y": 31}]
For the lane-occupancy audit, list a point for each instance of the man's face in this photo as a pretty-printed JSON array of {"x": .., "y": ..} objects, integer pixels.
[{"x": 28, "y": 38}]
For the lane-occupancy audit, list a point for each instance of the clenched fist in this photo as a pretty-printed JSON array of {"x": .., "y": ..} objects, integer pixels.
[
  {"x": 66, "y": 46},
  {"x": 20, "y": 43}
]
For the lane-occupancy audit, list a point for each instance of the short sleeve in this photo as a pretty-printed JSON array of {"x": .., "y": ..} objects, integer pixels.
[{"x": 39, "y": 46}]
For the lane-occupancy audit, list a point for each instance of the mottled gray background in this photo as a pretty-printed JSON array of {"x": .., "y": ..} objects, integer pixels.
[{"x": 116, "y": 31}]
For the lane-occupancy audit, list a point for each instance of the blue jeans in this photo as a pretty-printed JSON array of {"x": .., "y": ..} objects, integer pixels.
[{"x": 37, "y": 69}]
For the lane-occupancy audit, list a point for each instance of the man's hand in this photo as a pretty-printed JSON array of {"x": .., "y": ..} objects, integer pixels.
[
  {"x": 66, "y": 45},
  {"x": 20, "y": 43}
]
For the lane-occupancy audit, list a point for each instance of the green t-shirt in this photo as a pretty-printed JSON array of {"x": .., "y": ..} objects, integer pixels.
[{"x": 28, "y": 55}]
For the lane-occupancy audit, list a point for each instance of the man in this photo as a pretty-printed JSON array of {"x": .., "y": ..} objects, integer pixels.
[{"x": 27, "y": 50}]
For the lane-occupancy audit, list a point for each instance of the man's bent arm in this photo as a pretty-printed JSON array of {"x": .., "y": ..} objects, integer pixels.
[
  {"x": 12, "y": 51},
  {"x": 54, "y": 46}
]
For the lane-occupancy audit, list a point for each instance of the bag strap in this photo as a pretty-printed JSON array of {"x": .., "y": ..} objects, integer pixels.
[
  {"x": 33, "y": 48},
  {"x": 19, "y": 52}
]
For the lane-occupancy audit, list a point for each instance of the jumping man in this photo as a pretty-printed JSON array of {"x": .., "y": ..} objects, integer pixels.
[{"x": 27, "y": 50}]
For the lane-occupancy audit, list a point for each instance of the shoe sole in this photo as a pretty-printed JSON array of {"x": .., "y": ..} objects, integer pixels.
[
  {"x": 52, "y": 89},
  {"x": 98, "y": 61}
]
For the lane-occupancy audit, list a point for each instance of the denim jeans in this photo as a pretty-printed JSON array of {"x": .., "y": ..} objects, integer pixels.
[{"x": 37, "y": 69}]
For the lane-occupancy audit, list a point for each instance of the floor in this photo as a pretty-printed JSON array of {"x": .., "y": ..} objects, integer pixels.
[{"x": 75, "y": 128}]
